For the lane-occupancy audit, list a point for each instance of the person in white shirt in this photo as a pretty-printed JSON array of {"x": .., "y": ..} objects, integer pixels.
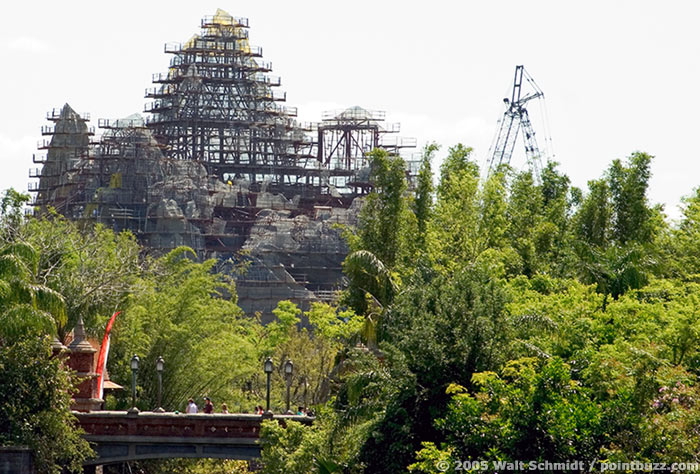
[{"x": 191, "y": 406}]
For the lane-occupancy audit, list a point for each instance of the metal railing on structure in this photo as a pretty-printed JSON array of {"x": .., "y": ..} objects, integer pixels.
[
  {"x": 51, "y": 130},
  {"x": 120, "y": 123},
  {"x": 266, "y": 79},
  {"x": 206, "y": 46},
  {"x": 326, "y": 295},
  {"x": 223, "y": 20},
  {"x": 55, "y": 114},
  {"x": 353, "y": 113},
  {"x": 209, "y": 62},
  {"x": 397, "y": 142}
]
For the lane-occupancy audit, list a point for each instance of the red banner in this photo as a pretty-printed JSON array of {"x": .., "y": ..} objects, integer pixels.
[{"x": 104, "y": 353}]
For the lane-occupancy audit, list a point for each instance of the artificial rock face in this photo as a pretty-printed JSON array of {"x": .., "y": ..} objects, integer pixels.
[
  {"x": 68, "y": 144},
  {"x": 294, "y": 249}
]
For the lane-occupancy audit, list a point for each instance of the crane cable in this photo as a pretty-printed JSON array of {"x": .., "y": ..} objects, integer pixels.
[
  {"x": 499, "y": 122},
  {"x": 544, "y": 114}
]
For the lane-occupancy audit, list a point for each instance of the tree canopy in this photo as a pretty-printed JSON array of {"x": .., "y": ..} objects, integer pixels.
[
  {"x": 534, "y": 321},
  {"x": 490, "y": 316}
]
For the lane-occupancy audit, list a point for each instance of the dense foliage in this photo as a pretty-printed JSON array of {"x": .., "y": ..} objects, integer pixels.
[
  {"x": 534, "y": 321},
  {"x": 35, "y": 386},
  {"x": 503, "y": 317},
  {"x": 35, "y": 392}
]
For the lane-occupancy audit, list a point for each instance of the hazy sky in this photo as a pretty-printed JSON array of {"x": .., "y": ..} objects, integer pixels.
[{"x": 618, "y": 76}]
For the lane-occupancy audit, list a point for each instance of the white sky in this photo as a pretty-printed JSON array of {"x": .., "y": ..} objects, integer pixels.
[{"x": 618, "y": 76}]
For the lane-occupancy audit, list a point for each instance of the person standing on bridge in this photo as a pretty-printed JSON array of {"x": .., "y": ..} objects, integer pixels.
[
  {"x": 191, "y": 406},
  {"x": 208, "y": 406}
]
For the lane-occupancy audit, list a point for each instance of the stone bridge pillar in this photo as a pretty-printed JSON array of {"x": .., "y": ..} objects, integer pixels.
[{"x": 82, "y": 358}]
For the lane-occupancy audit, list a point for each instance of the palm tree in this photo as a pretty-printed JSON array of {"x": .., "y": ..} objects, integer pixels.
[
  {"x": 26, "y": 307},
  {"x": 615, "y": 269},
  {"x": 372, "y": 289}
]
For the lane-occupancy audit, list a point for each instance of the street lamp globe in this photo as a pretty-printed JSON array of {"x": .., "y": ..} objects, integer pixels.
[
  {"x": 268, "y": 371},
  {"x": 160, "y": 365},
  {"x": 288, "y": 369},
  {"x": 269, "y": 366},
  {"x": 134, "y": 370}
]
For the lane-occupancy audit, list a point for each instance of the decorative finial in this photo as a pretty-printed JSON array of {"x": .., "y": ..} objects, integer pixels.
[
  {"x": 79, "y": 341},
  {"x": 57, "y": 346}
]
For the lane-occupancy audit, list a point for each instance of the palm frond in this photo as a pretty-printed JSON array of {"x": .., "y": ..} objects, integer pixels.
[
  {"x": 52, "y": 302},
  {"x": 12, "y": 266},
  {"x": 535, "y": 319},
  {"x": 367, "y": 272},
  {"x": 534, "y": 349},
  {"x": 25, "y": 252},
  {"x": 24, "y": 320}
]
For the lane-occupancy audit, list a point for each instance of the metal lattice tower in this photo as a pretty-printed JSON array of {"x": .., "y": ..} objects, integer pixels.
[
  {"x": 217, "y": 105},
  {"x": 345, "y": 137},
  {"x": 514, "y": 118}
]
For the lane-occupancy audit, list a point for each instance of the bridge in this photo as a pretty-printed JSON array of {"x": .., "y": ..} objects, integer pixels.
[{"x": 119, "y": 436}]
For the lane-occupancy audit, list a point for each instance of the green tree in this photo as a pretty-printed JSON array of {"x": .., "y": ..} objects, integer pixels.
[
  {"x": 280, "y": 330},
  {"x": 552, "y": 237},
  {"x": 615, "y": 270},
  {"x": 313, "y": 348},
  {"x": 525, "y": 218},
  {"x": 183, "y": 311},
  {"x": 616, "y": 231},
  {"x": 184, "y": 466},
  {"x": 380, "y": 244},
  {"x": 457, "y": 163},
  {"x": 455, "y": 224},
  {"x": 685, "y": 240},
  {"x": 380, "y": 218},
  {"x": 538, "y": 415},
  {"x": 11, "y": 213},
  {"x": 592, "y": 223},
  {"x": 493, "y": 222},
  {"x": 632, "y": 217},
  {"x": 27, "y": 308},
  {"x": 423, "y": 202},
  {"x": 285, "y": 449},
  {"x": 436, "y": 332},
  {"x": 320, "y": 361},
  {"x": 369, "y": 276},
  {"x": 92, "y": 268},
  {"x": 35, "y": 394}
]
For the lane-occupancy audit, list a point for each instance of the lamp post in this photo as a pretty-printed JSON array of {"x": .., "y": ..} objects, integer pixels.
[
  {"x": 160, "y": 365},
  {"x": 268, "y": 370},
  {"x": 134, "y": 371},
  {"x": 306, "y": 386},
  {"x": 288, "y": 370}
]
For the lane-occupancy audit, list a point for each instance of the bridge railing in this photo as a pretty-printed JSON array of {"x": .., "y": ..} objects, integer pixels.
[{"x": 119, "y": 423}]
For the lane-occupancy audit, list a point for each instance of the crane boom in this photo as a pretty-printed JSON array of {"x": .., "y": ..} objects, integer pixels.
[{"x": 514, "y": 118}]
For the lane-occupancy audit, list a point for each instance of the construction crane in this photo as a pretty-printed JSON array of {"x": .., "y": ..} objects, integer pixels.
[{"x": 514, "y": 118}]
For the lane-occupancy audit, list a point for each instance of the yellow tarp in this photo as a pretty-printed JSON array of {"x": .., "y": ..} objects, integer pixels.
[{"x": 115, "y": 181}]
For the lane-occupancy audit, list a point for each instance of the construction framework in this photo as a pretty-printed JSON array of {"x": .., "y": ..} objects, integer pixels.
[
  {"x": 220, "y": 165},
  {"x": 345, "y": 137},
  {"x": 514, "y": 118}
]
